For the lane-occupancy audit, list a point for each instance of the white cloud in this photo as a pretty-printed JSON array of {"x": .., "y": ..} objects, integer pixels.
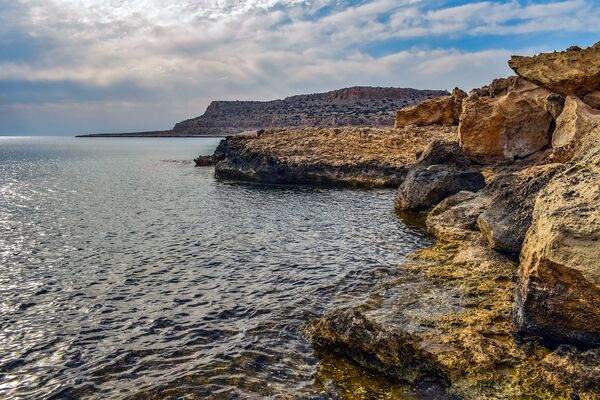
[{"x": 188, "y": 52}]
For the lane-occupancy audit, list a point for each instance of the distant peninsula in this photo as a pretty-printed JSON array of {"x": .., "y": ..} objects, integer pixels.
[{"x": 354, "y": 106}]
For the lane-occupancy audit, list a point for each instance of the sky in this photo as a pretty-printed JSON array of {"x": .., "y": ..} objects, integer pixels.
[{"x": 81, "y": 66}]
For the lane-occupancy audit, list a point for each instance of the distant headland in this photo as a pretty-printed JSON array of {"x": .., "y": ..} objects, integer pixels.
[{"x": 353, "y": 106}]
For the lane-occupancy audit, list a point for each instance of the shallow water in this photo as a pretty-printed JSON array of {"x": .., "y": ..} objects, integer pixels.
[{"x": 126, "y": 272}]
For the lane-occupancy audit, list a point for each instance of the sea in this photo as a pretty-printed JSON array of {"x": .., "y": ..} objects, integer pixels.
[{"x": 128, "y": 273}]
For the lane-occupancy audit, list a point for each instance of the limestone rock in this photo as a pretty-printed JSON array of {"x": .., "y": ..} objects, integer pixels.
[
  {"x": 574, "y": 128},
  {"x": 571, "y": 72},
  {"x": 555, "y": 104},
  {"x": 442, "y": 171},
  {"x": 507, "y": 218},
  {"x": 516, "y": 125},
  {"x": 371, "y": 157},
  {"x": 437, "y": 111},
  {"x": 592, "y": 99},
  {"x": 456, "y": 216},
  {"x": 559, "y": 276}
]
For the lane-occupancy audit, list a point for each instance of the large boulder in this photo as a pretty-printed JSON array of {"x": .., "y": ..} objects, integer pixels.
[
  {"x": 442, "y": 170},
  {"x": 506, "y": 127},
  {"x": 577, "y": 124},
  {"x": 507, "y": 218},
  {"x": 559, "y": 276},
  {"x": 437, "y": 111},
  {"x": 571, "y": 72}
]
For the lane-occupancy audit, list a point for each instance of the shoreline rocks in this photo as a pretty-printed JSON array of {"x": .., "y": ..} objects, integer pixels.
[
  {"x": 441, "y": 171},
  {"x": 367, "y": 157},
  {"x": 514, "y": 206}
]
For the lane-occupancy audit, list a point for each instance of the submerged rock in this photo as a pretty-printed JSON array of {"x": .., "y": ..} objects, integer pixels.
[
  {"x": 447, "y": 318},
  {"x": 441, "y": 171},
  {"x": 505, "y": 127},
  {"x": 574, "y": 72},
  {"x": 437, "y": 111}
]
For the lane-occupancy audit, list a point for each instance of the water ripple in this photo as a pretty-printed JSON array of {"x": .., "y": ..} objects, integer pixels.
[{"x": 124, "y": 276}]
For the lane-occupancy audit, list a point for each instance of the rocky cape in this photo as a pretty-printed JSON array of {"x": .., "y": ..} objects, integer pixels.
[
  {"x": 353, "y": 106},
  {"x": 507, "y": 177}
]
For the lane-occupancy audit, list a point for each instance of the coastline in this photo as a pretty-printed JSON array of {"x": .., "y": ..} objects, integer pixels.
[
  {"x": 151, "y": 134},
  {"x": 507, "y": 305}
]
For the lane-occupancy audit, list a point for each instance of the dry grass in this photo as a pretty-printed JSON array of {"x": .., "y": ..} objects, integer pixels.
[{"x": 348, "y": 146}]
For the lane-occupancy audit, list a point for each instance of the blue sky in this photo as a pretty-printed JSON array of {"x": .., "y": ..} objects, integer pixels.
[{"x": 74, "y": 66}]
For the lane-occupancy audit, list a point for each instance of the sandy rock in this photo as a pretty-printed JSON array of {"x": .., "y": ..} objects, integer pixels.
[
  {"x": 456, "y": 216},
  {"x": 559, "y": 275},
  {"x": 516, "y": 125},
  {"x": 575, "y": 128},
  {"x": 555, "y": 104},
  {"x": 371, "y": 157},
  {"x": 507, "y": 218},
  {"x": 437, "y": 111},
  {"x": 592, "y": 99},
  {"x": 441, "y": 171},
  {"x": 571, "y": 72}
]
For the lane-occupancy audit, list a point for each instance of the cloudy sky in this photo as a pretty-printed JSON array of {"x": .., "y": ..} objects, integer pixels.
[{"x": 73, "y": 66}]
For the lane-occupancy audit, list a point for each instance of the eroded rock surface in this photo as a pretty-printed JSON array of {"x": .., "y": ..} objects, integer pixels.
[
  {"x": 507, "y": 217},
  {"x": 339, "y": 156},
  {"x": 437, "y": 111},
  {"x": 506, "y": 127},
  {"x": 442, "y": 170},
  {"x": 577, "y": 127},
  {"x": 447, "y": 317},
  {"x": 559, "y": 275},
  {"x": 574, "y": 72}
]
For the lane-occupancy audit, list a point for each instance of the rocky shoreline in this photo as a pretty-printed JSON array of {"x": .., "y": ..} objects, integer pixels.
[{"x": 505, "y": 304}]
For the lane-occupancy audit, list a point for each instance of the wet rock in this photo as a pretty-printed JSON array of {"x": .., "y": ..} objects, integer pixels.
[
  {"x": 577, "y": 126},
  {"x": 204, "y": 161},
  {"x": 502, "y": 128},
  {"x": 574, "y": 72},
  {"x": 559, "y": 275},
  {"x": 437, "y": 111},
  {"x": 441, "y": 171},
  {"x": 508, "y": 215}
]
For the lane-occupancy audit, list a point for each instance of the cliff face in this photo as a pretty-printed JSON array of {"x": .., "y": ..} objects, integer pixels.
[{"x": 355, "y": 106}]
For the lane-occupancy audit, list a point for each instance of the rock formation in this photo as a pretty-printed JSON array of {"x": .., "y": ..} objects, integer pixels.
[
  {"x": 355, "y": 106},
  {"x": 441, "y": 171},
  {"x": 574, "y": 72},
  {"x": 506, "y": 126},
  {"x": 438, "y": 111},
  {"x": 452, "y": 312},
  {"x": 507, "y": 216},
  {"x": 576, "y": 125},
  {"x": 338, "y": 156}
]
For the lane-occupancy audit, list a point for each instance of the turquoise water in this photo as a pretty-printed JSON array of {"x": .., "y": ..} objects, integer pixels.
[{"x": 125, "y": 271}]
